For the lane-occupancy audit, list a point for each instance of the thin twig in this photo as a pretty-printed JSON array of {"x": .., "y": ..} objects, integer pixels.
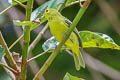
[
  {"x": 13, "y": 44},
  {"x": 37, "y": 39},
  {"x": 41, "y": 54},
  {"x": 14, "y": 71},
  {"x": 19, "y": 3},
  {"x": 85, "y": 4},
  {"x": 6, "y": 9},
  {"x": 33, "y": 44},
  {"x": 68, "y": 5},
  {"x": 10, "y": 74},
  {"x": 8, "y": 53}
]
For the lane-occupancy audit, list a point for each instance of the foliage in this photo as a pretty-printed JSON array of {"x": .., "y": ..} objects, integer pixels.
[
  {"x": 89, "y": 39},
  {"x": 98, "y": 40},
  {"x": 33, "y": 20}
]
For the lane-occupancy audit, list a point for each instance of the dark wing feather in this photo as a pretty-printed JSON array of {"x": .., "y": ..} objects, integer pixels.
[
  {"x": 69, "y": 23},
  {"x": 78, "y": 59}
]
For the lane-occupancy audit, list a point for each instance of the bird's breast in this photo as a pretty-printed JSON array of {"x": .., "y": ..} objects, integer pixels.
[{"x": 58, "y": 29}]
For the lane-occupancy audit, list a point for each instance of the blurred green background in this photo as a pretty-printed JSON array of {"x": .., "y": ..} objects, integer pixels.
[{"x": 102, "y": 16}]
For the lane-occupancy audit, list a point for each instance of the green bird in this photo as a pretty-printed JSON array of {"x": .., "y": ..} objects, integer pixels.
[{"x": 58, "y": 27}]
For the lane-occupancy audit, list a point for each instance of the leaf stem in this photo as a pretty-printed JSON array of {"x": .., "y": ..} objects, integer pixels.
[
  {"x": 53, "y": 55},
  {"x": 6, "y": 9},
  {"x": 26, "y": 41}
]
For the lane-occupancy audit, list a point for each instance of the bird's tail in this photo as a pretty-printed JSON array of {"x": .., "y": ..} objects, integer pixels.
[{"x": 79, "y": 62}]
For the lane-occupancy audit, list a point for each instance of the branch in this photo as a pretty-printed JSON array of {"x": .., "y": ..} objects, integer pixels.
[
  {"x": 38, "y": 38},
  {"x": 8, "y": 53},
  {"x": 85, "y": 4},
  {"x": 37, "y": 56},
  {"x": 5, "y": 66},
  {"x": 33, "y": 44},
  {"x": 13, "y": 44},
  {"x": 53, "y": 55},
  {"x": 26, "y": 41},
  {"x": 10, "y": 74},
  {"x": 34, "y": 67},
  {"x": 9, "y": 7},
  {"x": 68, "y": 5},
  {"x": 19, "y": 3}
]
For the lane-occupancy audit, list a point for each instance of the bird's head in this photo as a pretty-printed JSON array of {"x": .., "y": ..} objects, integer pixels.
[{"x": 51, "y": 13}]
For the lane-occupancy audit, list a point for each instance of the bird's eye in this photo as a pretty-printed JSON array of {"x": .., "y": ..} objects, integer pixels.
[{"x": 46, "y": 10}]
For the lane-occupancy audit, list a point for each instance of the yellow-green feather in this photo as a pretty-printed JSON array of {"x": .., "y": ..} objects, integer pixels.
[{"x": 58, "y": 28}]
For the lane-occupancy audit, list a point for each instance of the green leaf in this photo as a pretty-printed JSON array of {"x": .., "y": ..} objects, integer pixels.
[
  {"x": 54, "y": 3},
  {"x": 98, "y": 40},
  {"x": 70, "y": 77},
  {"x": 50, "y": 44},
  {"x": 89, "y": 39},
  {"x": 38, "y": 12},
  {"x": 34, "y": 25},
  {"x": 26, "y": 23},
  {"x": 12, "y": 2},
  {"x": 2, "y": 50},
  {"x": 49, "y": 4}
]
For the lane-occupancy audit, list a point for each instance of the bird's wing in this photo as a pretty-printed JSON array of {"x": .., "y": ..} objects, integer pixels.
[
  {"x": 69, "y": 23},
  {"x": 78, "y": 59}
]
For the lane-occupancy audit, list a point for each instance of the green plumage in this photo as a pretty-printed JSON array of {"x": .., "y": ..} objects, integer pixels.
[{"x": 58, "y": 26}]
